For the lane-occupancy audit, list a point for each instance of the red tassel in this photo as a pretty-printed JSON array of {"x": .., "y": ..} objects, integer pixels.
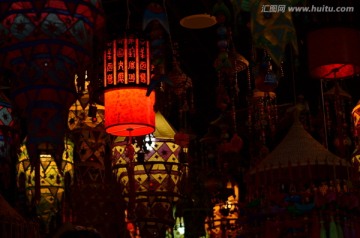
[{"x": 130, "y": 151}]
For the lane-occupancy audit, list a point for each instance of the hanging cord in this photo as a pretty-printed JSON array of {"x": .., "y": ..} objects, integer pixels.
[
  {"x": 233, "y": 107},
  {"x": 293, "y": 74},
  {"x": 187, "y": 81},
  {"x": 324, "y": 114},
  {"x": 170, "y": 38},
  {"x": 127, "y": 27}
]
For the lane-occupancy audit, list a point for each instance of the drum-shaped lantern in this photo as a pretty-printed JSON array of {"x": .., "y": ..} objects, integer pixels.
[
  {"x": 333, "y": 53},
  {"x": 129, "y": 111}
]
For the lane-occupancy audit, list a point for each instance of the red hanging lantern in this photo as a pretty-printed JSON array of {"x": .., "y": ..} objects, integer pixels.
[
  {"x": 333, "y": 52},
  {"x": 128, "y": 108}
]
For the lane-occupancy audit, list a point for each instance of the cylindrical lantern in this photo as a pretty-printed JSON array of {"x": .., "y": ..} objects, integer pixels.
[
  {"x": 333, "y": 53},
  {"x": 128, "y": 106}
]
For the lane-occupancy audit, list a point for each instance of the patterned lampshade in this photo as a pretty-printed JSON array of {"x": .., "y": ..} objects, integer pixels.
[
  {"x": 128, "y": 108},
  {"x": 150, "y": 185}
]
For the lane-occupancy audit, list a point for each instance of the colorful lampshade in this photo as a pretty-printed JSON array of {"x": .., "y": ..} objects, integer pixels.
[
  {"x": 92, "y": 190},
  {"x": 52, "y": 181},
  {"x": 150, "y": 185},
  {"x": 333, "y": 52},
  {"x": 6, "y": 118},
  {"x": 85, "y": 114},
  {"x": 356, "y": 115},
  {"x": 88, "y": 133},
  {"x": 127, "y": 71},
  {"x": 6, "y": 123},
  {"x": 225, "y": 218},
  {"x": 355, "y": 158},
  {"x": 337, "y": 104},
  {"x": 7, "y": 138},
  {"x": 43, "y": 43}
]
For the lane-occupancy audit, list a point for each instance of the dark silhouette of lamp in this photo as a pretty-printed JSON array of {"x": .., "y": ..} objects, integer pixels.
[{"x": 333, "y": 53}]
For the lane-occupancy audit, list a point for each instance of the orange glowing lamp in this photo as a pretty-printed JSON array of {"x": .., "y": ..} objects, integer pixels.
[
  {"x": 127, "y": 71},
  {"x": 356, "y": 116}
]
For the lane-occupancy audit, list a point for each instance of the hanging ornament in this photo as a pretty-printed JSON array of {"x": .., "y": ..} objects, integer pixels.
[
  {"x": 337, "y": 104},
  {"x": 265, "y": 78},
  {"x": 52, "y": 180},
  {"x": 151, "y": 184},
  {"x": 274, "y": 30},
  {"x": 129, "y": 111},
  {"x": 46, "y": 42}
]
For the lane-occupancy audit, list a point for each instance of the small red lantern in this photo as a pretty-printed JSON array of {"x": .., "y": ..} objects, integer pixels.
[
  {"x": 334, "y": 53},
  {"x": 128, "y": 109}
]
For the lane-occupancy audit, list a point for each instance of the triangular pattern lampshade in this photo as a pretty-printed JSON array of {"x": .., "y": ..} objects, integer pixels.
[
  {"x": 151, "y": 187},
  {"x": 42, "y": 45}
]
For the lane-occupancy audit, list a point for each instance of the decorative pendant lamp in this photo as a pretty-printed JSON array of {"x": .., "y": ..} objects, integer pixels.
[
  {"x": 225, "y": 218},
  {"x": 333, "y": 53},
  {"x": 356, "y": 115},
  {"x": 127, "y": 70},
  {"x": 53, "y": 181},
  {"x": 262, "y": 117},
  {"x": 43, "y": 43},
  {"x": 7, "y": 124},
  {"x": 150, "y": 179},
  {"x": 338, "y": 103},
  {"x": 355, "y": 157},
  {"x": 93, "y": 194}
]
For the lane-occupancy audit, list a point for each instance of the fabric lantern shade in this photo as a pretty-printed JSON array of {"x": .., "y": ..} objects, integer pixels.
[
  {"x": 43, "y": 44},
  {"x": 53, "y": 180},
  {"x": 7, "y": 124},
  {"x": 128, "y": 108},
  {"x": 6, "y": 119},
  {"x": 151, "y": 185},
  {"x": 334, "y": 53}
]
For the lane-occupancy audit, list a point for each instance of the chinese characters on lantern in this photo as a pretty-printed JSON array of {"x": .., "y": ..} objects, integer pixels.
[{"x": 127, "y": 62}]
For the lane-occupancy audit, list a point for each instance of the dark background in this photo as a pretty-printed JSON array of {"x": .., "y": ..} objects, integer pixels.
[{"x": 198, "y": 49}]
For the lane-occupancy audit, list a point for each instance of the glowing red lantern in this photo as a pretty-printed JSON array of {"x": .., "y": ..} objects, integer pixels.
[
  {"x": 333, "y": 53},
  {"x": 128, "y": 109}
]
